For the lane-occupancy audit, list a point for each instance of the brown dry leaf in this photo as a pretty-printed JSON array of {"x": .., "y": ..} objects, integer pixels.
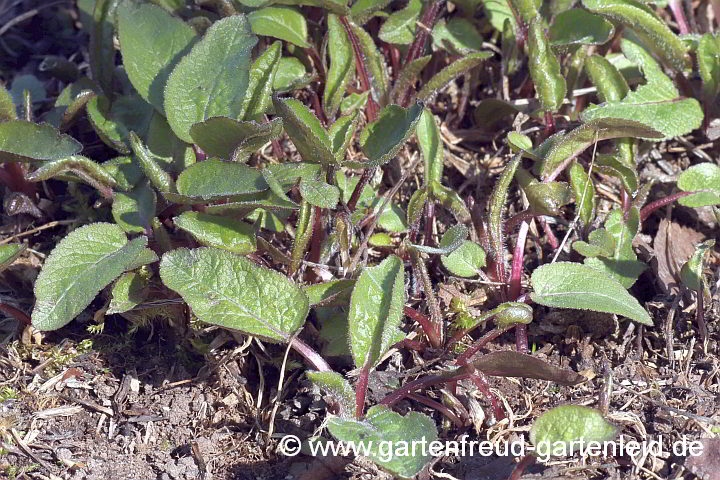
[
  {"x": 673, "y": 246},
  {"x": 706, "y": 465}
]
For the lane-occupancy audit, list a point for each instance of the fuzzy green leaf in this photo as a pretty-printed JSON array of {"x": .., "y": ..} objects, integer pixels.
[
  {"x": 285, "y": 23},
  {"x": 80, "y": 265},
  {"x": 338, "y": 388},
  {"x": 262, "y": 77},
  {"x": 584, "y": 190},
  {"x": 458, "y": 36},
  {"x": 416, "y": 206},
  {"x": 218, "y": 231},
  {"x": 233, "y": 292},
  {"x": 708, "y": 59},
  {"x": 7, "y": 107},
  {"x": 375, "y": 65},
  {"x": 102, "y": 50},
  {"x": 407, "y": 77},
  {"x": 642, "y": 20},
  {"x": 572, "y": 285},
  {"x": 611, "y": 85},
  {"x": 580, "y": 27},
  {"x": 382, "y": 139},
  {"x": 211, "y": 80},
  {"x": 86, "y": 169},
  {"x": 399, "y": 27},
  {"x": 133, "y": 211},
  {"x": 341, "y": 134},
  {"x": 656, "y": 104},
  {"x": 431, "y": 146},
  {"x": 9, "y": 253},
  {"x": 152, "y": 41},
  {"x": 691, "y": 273},
  {"x": 376, "y": 310},
  {"x": 466, "y": 261},
  {"x": 548, "y": 198},
  {"x": 303, "y": 234},
  {"x": 455, "y": 69},
  {"x": 703, "y": 177},
  {"x": 129, "y": 291},
  {"x": 334, "y": 291},
  {"x": 114, "y": 121},
  {"x": 545, "y": 71},
  {"x": 382, "y": 425},
  {"x": 47, "y": 143},
  {"x": 451, "y": 240},
  {"x": 230, "y": 139},
  {"x": 568, "y": 426},
  {"x": 305, "y": 130},
  {"x": 451, "y": 201},
  {"x": 214, "y": 179},
  {"x": 363, "y": 10},
  {"x": 290, "y": 74},
  {"x": 318, "y": 193},
  {"x": 342, "y": 66},
  {"x": 160, "y": 179}
]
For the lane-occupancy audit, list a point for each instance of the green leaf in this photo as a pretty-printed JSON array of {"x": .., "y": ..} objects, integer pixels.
[
  {"x": 574, "y": 143},
  {"x": 656, "y": 104},
  {"x": 431, "y": 146},
  {"x": 230, "y": 139},
  {"x": 160, "y": 179},
  {"x": 9, "y": 253},
  {"x": 572, "y": 285},
  {"x": 407, "y": 77},
  {"x": 497, "y": 12},
  {"x": 334, "y": 291},
  {"x": 303, "y": 235},
  {"x": 568, "y": 426},
  {"x": 290, "y": 74},
  {"x": 399, "y": 27},
  {"x": 708, "y": 60},
  {"x": 527, "y": 10},
  {"x": 382, "y": 139},
  {"x": 87, "y": 170},
  {"x": 47, "y": 143},
  {"x": 466, "y": 261},
  {"x": 691, "y": 273},
  {"x": 380, "y": 239},
  {"x": 353, "y": 102},
  {"x": 152, "y": 41},
  {"x": 253, "y": 299},
  {"x": 129, "y": 291},
  {"x": 613, "y": 166},
  {"x": 496, "y": 234},
  {"x": 584, "y": 191},
  {"x": 611, "y": 85},
  {"x": 213, "y": 179},
  {"x": 519, "y": 142},
  {"x": 703, "y": 177},
  {"x": 451, "y": 240},
  {"x": 211, "y": 80},
  {"x": 549, "y": 81},
  {"x": 447, "y": 74},
  {"x": 338, "y": 388},
  {"x": 510, "y": 313},
  {"x": 391, "y": 219},
  {"x": 341, "y": 134},
  {"x": 7, "y": 107},
  {"x": 374, "y": 64},
  {"x": 285, "y": 23},
  {"x": 114, "y": 122},
  {"x": 218, "y": 231},
  {"x": 580, "y": 27},
  {"x": 102, "y": 50},
  {"x": 289, "y": 173},
  {"x": 548, "y": 198},
  {"x": 305, "y": 130},
  {"x": 451, "y": 201},
  {"x": 262, "y": 77},
  {"x": 416, "y": 206},
  {"x": 382, "y": 425},
  {"x": 641, "y": 19},
  {"x": 80, "y": 265},
  {"x": 133, "y": 211},
  {"x": 342, "y": 66},
  {"x": 376, "y": 311},
  {"x": 363, "y": 10},
  {"x": 458, "y": 36},
  {"x": 124, "y": 171},
  {"x": 318, "y": 193}
]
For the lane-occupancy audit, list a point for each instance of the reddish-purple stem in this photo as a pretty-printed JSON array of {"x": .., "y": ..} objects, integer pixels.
[
  {"x": 552, "y": 239},
  {"x": 700, "y": 316},
  {"x": 313, "y": 358},
  {"x": 521, "y": 340},
  {"x": 437, "y": 406},
  {"x": 463, "y": 358},
  {"x": 360, "y": 67},
  {"x": 524, "y": 216},
  {"x": 360, "y": 391},
  {"x": 648, "y": 209},
  {"x": 426, "y": 323},
  {"x": 482, "y": 384},
  {"x": 517, "y": 261},
  {"x": 522, "y": 465},
  {"x": 429, "y": 219},
  {"x": 679, "y": 13},
  {"x": 364, "y": 179},
  {"x": 425, "y": 382}
]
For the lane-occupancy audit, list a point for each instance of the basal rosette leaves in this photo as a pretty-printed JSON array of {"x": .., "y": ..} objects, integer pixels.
[
  {"x": 565, "y": 427},
  {"x": 231, "y": 291},
  {"x": 47, "y": 142},
  {"x": 382, "y": 139}
]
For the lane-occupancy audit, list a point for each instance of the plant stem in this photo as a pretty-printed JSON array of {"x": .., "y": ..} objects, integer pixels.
[
  {"x": 463, "y": 358},
  {"x": 700, "y": 317},
  {"x": 429, "y": 219},
  {"x": 425, "y": 382},
  {"x": 648, "y": 209},
  {"x": 360, "y": 391},
  {"x": 317, "y": 106},
  {"x": 426, "y": 324},
  {"x": 524, "y": 216},
  {"x": 433, "y": 306},
  {"x": 552, "y": 239},
  {"x": 437, "y": 406},
  {"x": 521, "y": 340},
  {"x": 517, "y": 262},
  {"x": 549, "y": 124},
  {"x": 482, "y": 384},
  {"x": 364, "y": 179},
  {"x": 18, "y": 315},
  {"x": 312, "y": 357},
  {"x": 522, "y": 465},
  {"x": 679, "y": 13},
  {"x": 318, "y": 235}
]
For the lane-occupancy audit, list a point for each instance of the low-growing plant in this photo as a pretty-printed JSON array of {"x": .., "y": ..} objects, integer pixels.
[{"x": 253, "y": 243}]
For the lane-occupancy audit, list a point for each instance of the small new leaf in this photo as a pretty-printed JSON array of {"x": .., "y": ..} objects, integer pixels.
[
  {"x": 46, "y": 143},
  {"x": 703, "y": 178},
  {"x": 217, "y": 231},
  {"x": 466, "y": 261},
  {"x": 382, "y": 139},
  {"x": 569, "y": 425},
  {"x": 691, "y": 273}
]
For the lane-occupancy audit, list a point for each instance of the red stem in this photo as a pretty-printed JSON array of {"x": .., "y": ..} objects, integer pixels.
[
  {"x": 524, "y": 216},
  {"x": 364, "y": 179},
  {"x": 648, "y": 209},
  {"x": 484, "y": 340},
  {"x": 517, "y": 262},
  {"x": 425, "y": 382},
  {"x": 679, "y": 13},
  {"x": 426, "y": 324},
  {"x": 522, "y": 465},
  {"x": 313, "y": 358},
  {"x": 360, "y": 391},
  {"x": 700, "y": 316},
  {"x": 482, "y": 384},
  {"x": 437, "y": 406},
  {"x": 552, "y": 239},
  {"x": 360, "y": 67},
  {"x": 429, "y": 218},
  {"x": 18, "y": 315}
]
